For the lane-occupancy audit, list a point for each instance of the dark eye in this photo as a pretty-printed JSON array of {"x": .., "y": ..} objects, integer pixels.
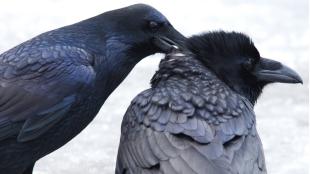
[
  {"x": 154, "y": 25},
  {"x": 249, "y": 64}
]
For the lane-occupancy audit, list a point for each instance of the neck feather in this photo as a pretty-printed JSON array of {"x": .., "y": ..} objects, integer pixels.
[{"x": 188, "y": 68}]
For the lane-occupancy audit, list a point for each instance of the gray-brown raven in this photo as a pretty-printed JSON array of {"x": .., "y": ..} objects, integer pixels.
[{"x": 198, "y": 116}]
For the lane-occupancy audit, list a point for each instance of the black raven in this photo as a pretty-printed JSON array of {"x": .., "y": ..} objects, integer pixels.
[
  {"x": 198, "y": 116},
  {"x": 53, "y": 85}
]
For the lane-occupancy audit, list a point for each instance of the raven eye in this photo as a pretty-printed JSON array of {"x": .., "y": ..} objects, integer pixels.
[
  {"x": 249, "y": 64},
  {"x": 154, "y": 25}
]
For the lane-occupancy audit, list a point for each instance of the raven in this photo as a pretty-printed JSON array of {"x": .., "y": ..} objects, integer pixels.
[
  {"x": 53, "y": 85},
  {"x": 198, "y": 116}
]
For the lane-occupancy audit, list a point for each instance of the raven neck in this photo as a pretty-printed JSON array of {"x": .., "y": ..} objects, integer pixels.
[
  {"x": 181, "y": 66},
  {"x": 113, "y": 57},
  {"x": 179, "y": 70},
  {"x": 113, "y": 66}
]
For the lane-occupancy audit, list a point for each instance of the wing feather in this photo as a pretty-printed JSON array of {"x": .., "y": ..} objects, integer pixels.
[
  {"x": 195, "y": 145},
  {"x": 38, "y": 86}
]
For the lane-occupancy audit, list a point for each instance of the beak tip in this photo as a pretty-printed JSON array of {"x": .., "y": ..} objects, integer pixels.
[
  {"x": 165, "y": 44},
  {"x": 296, "y": 79},
  {"x": 299, "y": 79}
]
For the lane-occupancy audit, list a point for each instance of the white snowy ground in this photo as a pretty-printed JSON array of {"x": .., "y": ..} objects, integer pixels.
[{"x": 278, "y": 27}]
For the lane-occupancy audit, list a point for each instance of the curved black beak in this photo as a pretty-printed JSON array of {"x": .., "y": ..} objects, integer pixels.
[
  {"x": 169, "y": 40},
  {"x": 165, "y": 44},
  {"x": 272, "y": 71}
]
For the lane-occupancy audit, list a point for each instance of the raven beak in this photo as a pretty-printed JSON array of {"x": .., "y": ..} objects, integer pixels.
[
  {"x": 169, "y": 40},
  {"x": 165, "y": 44},
  {"x": 272, "y": 71}
]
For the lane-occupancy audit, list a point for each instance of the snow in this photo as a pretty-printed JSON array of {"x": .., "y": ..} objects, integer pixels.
[{"x": 279, "y": 28}]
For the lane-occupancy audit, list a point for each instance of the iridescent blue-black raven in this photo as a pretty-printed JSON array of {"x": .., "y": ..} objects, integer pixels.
[
  {"x": 198, "y": 116},
  {"x": 52, "y": 86}
]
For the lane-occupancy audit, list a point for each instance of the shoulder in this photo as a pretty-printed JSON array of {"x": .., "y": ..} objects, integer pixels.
[{"x": 183, "y": 107}]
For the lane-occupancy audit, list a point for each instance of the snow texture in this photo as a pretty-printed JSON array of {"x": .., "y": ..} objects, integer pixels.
[{"x": 278, "y": 27}]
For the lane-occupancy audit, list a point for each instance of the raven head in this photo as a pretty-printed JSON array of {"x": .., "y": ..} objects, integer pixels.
[
  {"x": 235, "y": 60},
  {"x": 143, "y": 29}
]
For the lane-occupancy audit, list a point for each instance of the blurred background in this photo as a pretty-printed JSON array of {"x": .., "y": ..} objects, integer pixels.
[{"x": 279, "y": 29}]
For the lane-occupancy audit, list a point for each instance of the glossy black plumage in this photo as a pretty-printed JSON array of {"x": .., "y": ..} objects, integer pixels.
[
  {"x": 53, "y": 85},
  {"x": 194, "y": 119}
]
